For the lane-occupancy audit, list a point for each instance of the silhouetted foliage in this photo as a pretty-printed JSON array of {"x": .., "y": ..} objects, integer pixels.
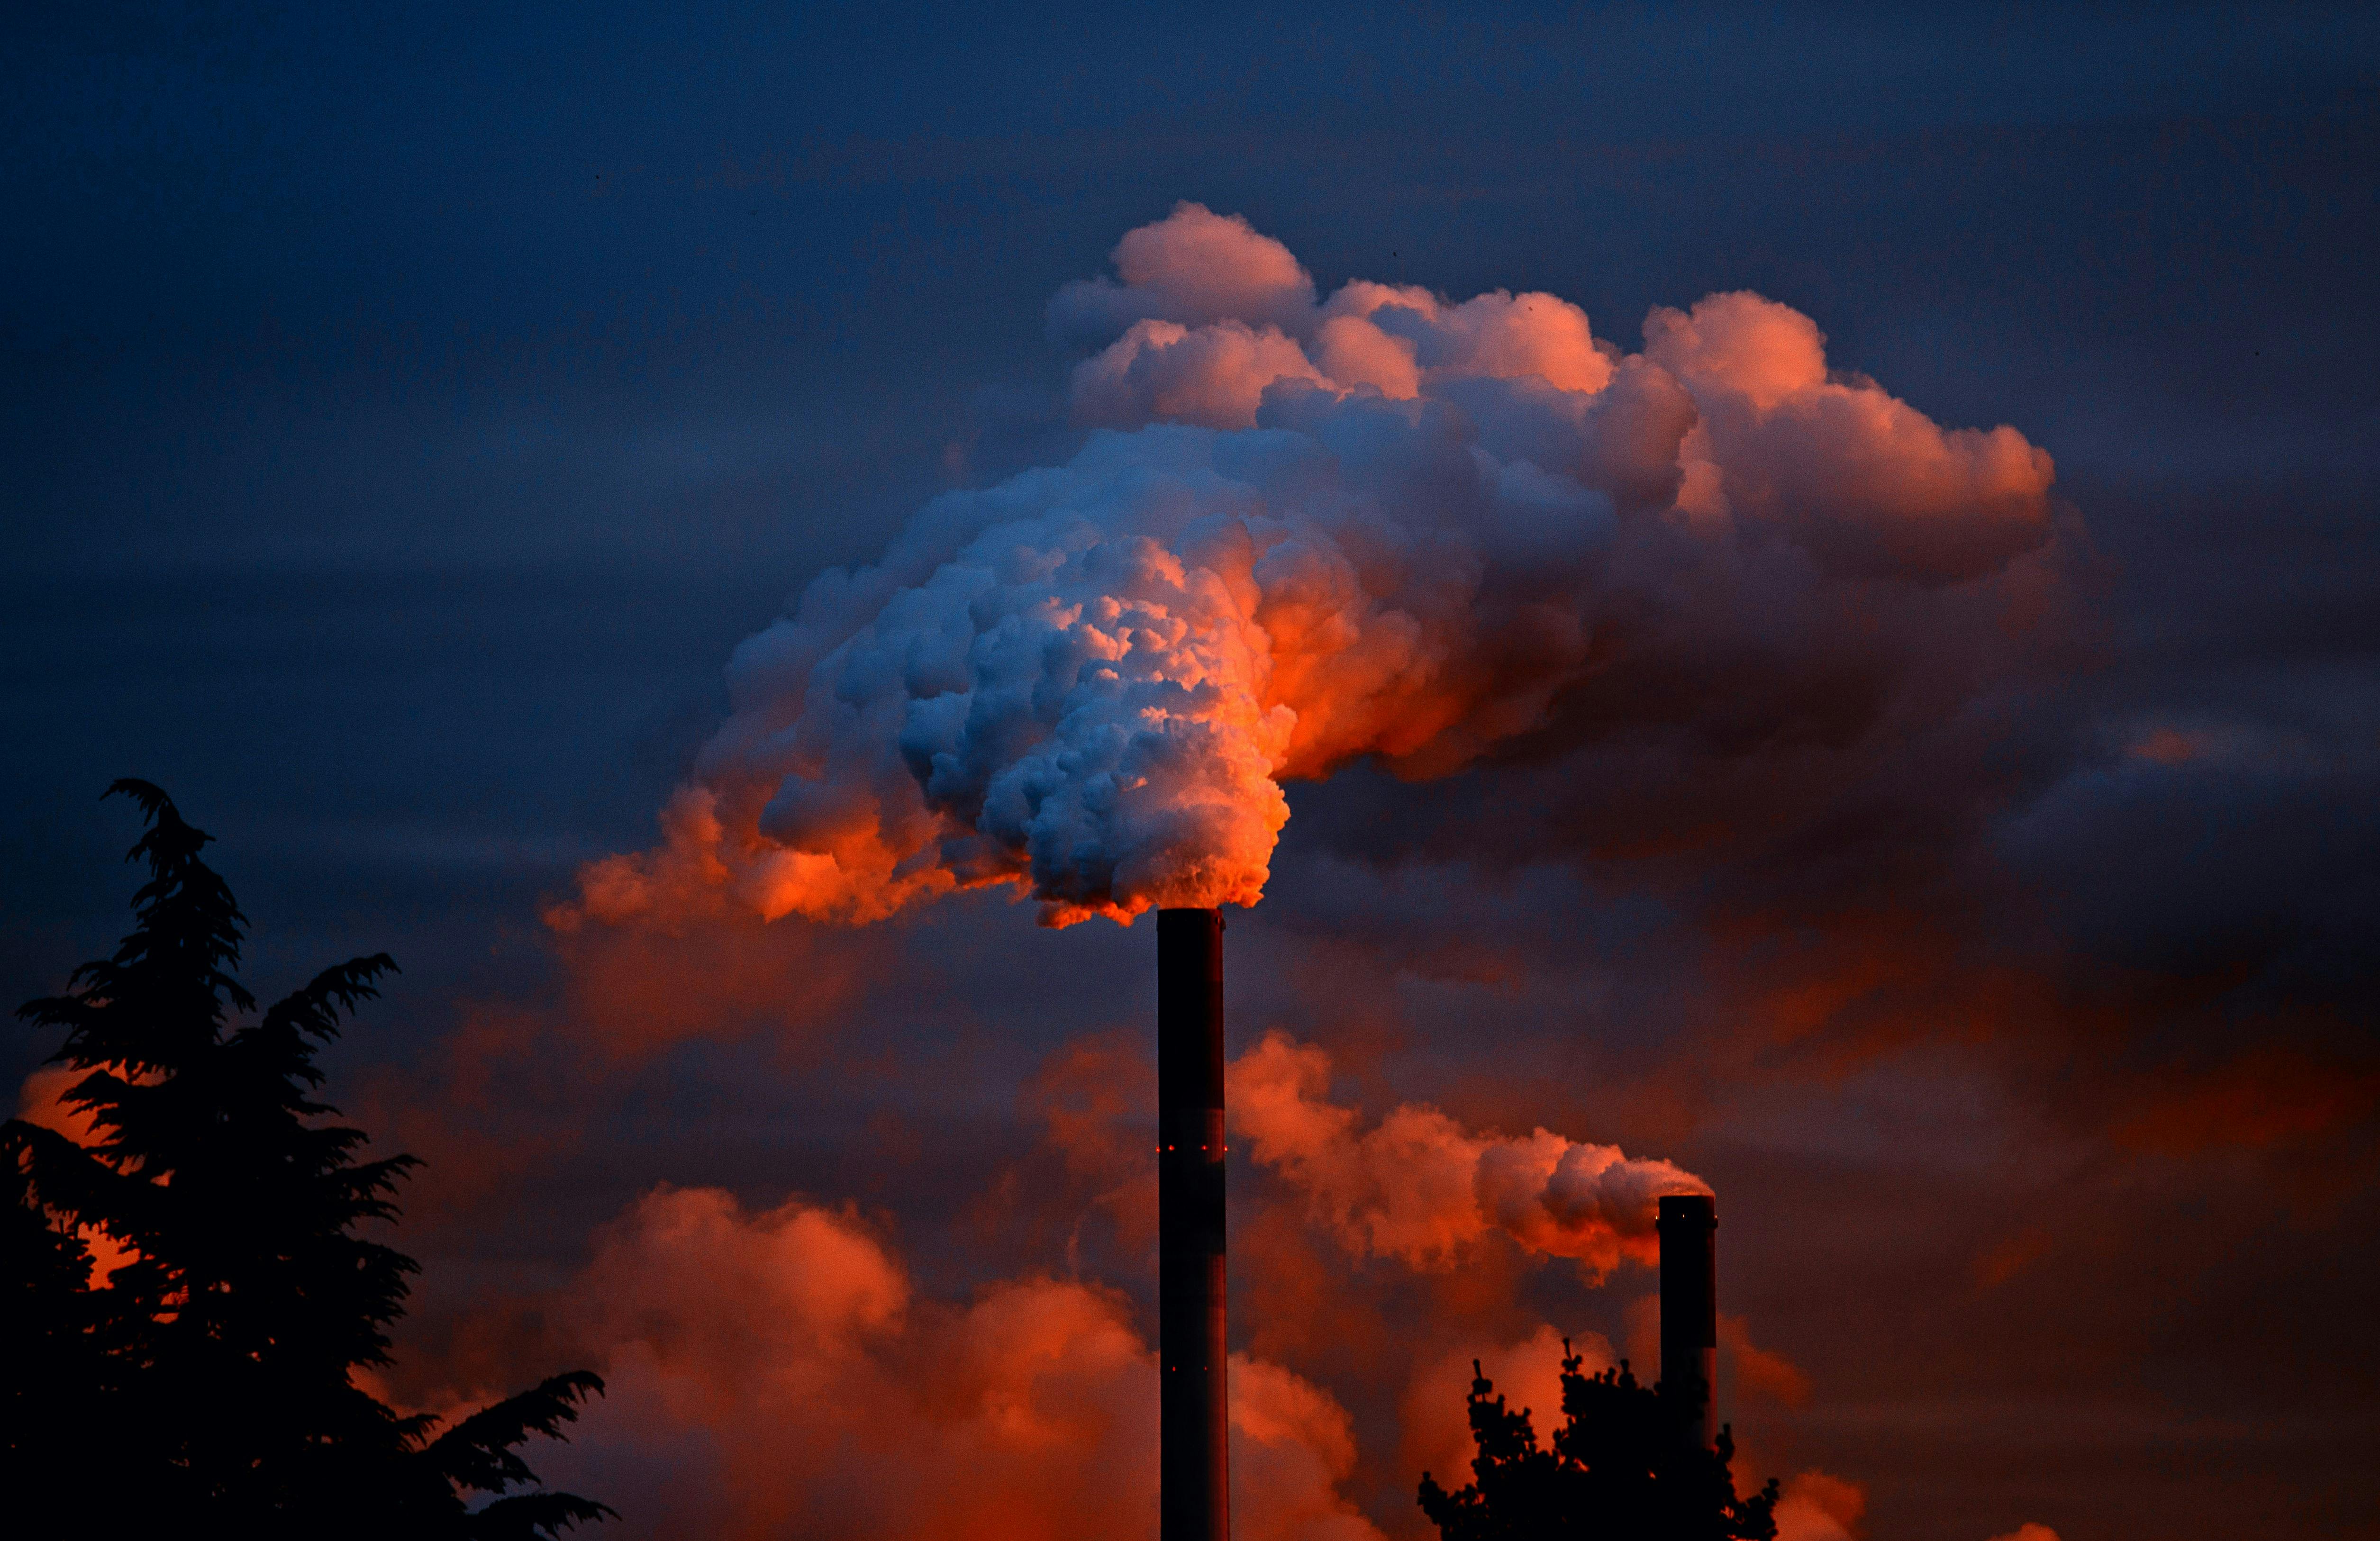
[
  {"x": 1626, "y": 1465},
  {"x": 206, "y": 1386}
]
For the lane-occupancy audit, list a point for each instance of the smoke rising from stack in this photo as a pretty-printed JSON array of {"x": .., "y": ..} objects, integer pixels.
[
  {"x": 1303, "y": 531},
  {"x": 1421, "y": 1188}
]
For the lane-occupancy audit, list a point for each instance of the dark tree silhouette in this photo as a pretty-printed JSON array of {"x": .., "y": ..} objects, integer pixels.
[
  {"x": 1624, "y": 1466},
  {"x": 207, "y": 1387}
]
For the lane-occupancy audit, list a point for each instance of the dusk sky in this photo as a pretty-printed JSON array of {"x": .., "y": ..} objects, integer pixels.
[{"x": 1854, "y": 672}]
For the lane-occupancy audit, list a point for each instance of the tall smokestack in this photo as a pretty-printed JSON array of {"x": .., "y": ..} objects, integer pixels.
[
  {"x": 1688, "y": 1224},
  {"x": 1194, "y": 1469}
]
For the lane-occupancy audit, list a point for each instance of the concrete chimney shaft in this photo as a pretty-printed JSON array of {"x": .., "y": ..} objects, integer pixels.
[
  {"x": 1193, "y": 1471},
  {"x": 1688, "y": 1225}
]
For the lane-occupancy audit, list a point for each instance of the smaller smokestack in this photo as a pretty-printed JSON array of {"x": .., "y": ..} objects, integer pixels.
[{"x": 1688, "y": 1225}]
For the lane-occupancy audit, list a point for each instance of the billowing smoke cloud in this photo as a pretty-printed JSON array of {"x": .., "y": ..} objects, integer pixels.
[
  {"x": 1420, "y": 1187},
  {"x": 778, "y": 1374},
  {"x": 1302, "y": 531}
]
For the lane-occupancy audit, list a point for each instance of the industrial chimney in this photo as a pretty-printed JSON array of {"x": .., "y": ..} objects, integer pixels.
[
  {"x": 1688, "y": 1224},
  {"x": 1195, "y": 1489}
]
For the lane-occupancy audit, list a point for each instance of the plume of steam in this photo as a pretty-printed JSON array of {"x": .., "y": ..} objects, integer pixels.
[
  {"x": 1419, "y": 1187},
  {"x": 1300, "y": 531}
]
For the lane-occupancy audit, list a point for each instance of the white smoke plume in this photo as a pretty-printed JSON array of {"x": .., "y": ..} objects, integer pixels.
[
  {"x": 1300, "y": 531},
  {"x": 1419, "y": 1187}
]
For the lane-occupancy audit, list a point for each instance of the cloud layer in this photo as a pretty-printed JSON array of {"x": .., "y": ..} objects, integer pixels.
[{"x": 778, "y": 1372}]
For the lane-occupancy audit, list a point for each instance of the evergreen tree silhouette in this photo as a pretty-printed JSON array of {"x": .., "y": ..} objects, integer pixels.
[
  {"x": 1624, "y": 1466},
  {"x": 208, "y": 1386}
]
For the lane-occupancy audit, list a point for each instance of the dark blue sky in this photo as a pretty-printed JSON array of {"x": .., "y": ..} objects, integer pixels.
[{"x": 405, "y": 411}]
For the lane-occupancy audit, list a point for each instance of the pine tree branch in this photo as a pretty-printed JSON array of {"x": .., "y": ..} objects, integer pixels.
[
  {"x": 534, "y": 1517},
  {"x": 476, "y": 1454}
]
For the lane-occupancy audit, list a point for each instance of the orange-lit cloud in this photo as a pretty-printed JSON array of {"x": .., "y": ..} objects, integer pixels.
[
  {"x": 1760, "y": 1372},
  {"x": 41, "y": 1100},
  {"x": 1817, "y": 1507},
  {"x": 1859, "y": 479},
  {"x": 802, "y": 1384},
  {"x": 1095, "y": 1097},
  {"x": 1195, "y": 267},
  {"x": 2168, "y": 746},
  {"x": 1160, "y": 371},
  {"x": 1434, "y": 1411},
  {"x": 2004, "y": 1260},
  {"x": 2266, "y": 1097}
]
